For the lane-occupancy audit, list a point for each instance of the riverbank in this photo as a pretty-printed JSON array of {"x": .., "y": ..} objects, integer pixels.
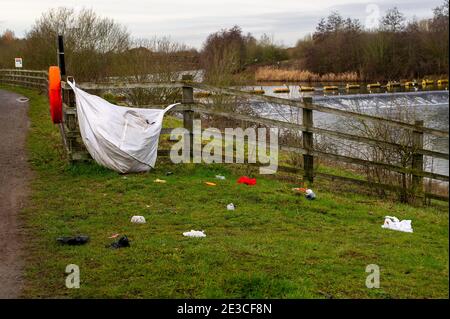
[
  {"x": 276, "y": 74},
  {"x": 310, "y": 249}
]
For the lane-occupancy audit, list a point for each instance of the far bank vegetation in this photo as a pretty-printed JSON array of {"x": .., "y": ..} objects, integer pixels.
[{"x": 274, "y": 74}]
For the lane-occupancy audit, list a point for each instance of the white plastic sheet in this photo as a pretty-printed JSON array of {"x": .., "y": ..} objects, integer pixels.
[
  {"x": 194, "y": 233},
  {"x": 392, "y": 222},
  {"x": 123, "y": 139},
  {"x": 138, "y": 220}
]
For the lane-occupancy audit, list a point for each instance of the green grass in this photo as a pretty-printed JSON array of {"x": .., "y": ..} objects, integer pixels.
[{"x": 275, "y": 244}]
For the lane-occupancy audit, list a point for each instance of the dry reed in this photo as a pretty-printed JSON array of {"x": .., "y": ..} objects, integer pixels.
[{"x": 274, "y": 74}]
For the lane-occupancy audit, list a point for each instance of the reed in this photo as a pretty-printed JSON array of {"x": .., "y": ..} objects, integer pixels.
[
  {"x": 274, "y": 74},
  {"x": 201, "y": 95},
  {"x": 257, "y": 91}
]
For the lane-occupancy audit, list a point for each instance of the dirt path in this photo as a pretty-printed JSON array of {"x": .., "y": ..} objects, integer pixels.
[{"x": 14, "y": 176}]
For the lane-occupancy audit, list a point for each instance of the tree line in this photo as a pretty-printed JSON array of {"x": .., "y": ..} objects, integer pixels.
[
  {"x": 99, "y": 48},
  {"x": 397, "y": 49},
  {"x": 96, "y": 48}
]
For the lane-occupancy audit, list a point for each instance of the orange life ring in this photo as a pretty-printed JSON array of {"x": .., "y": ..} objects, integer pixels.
[{"x": 54, "y": 94}]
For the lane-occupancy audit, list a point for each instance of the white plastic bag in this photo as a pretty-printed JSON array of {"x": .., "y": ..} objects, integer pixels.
[
  {"x": 392, "y": 222},
  {"x": 123, "y": 139},
  {"x": 138, "y": 219},
  {"x": 194, "y": 233},
  {"x": 309, "y": 194}
]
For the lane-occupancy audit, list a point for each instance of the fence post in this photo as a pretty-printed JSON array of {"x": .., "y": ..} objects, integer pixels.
[
  {"x": 417, "y": 159},
  {"x": 69, "y": 111},
  {"x": 61, "y": 59},
  {"x": 308, "y": 159},
  {"x": 188, "y": 114}
]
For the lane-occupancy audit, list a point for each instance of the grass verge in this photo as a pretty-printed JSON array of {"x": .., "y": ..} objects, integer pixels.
[{"x": 276, "y": 244}]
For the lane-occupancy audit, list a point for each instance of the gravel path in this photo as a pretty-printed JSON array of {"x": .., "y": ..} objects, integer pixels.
[{"x": 14, "y": 178}]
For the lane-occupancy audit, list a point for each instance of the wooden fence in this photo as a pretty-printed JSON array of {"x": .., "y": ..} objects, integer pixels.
[
  {"x": 26, "y": 78},
  {"x": 190, "y": 108}
]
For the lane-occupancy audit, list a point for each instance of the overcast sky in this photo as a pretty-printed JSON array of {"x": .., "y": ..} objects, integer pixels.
[{"x": 190, "y": 21}]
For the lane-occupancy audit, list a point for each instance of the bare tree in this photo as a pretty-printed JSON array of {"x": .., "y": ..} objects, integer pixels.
[
  {"x": 222, "y": 55},
  {"x": 393, "y": 21},
  {"x": 153, "y": 60},
  {"x": 398, "y": 148},
  {"x": 91, "y": 42},
  {"x": 10, "y": 47}
]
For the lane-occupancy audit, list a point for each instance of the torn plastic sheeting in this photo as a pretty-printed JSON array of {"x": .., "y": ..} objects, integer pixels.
[
  {"x": 194, "y": 233},
  {"x": 230, "y": 206},
  {"x": 138, "y": 219},
  {"x": 120, "y": 243},
  {"x": 309, "y": 194},
  {"x": 393, "y": 223},
  {"x": 73, "y": 241},
  {"x": 246, "y": 180},
  {"x": 123, "y": 139}
]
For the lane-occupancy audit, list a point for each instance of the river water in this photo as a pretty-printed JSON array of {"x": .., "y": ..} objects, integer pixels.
[{"x": 430, "y": 105}]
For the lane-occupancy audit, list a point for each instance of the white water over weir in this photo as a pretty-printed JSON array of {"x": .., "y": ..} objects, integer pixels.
[
  {"x": 420, "y": 98},
  {"x": 430, "y": 106}
]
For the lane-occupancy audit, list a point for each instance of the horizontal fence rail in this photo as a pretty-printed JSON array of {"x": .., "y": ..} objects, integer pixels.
[
  {"x": 199, "y": 108},
  {"x": 190, "y": 108},
  {"x": 305, "y": 105},
  {"x": 263, "y": 98},
  {"x": 26, "y": 78},
  {"x": 320, "y": 108}
]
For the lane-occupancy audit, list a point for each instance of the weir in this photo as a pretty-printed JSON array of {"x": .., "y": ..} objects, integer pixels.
[
  {"x": 312, "y": 119},
  {"x": 420, "y": 98}
]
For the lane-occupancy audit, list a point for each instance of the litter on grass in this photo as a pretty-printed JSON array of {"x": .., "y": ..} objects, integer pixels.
[
  {"x": 73, "y": 241},
  {"x": 392, "y": 222},
  {"x": 220, "y": 177},
  {"x": 246, "y": 180},
  {"x": 230, "y": 206},
  {"x": 138, "y": 219},
  {"x": 309, "y": 194},
  {"x": 22, "y": 99},
  {"x": 299, "y": 189},
  {"x": 120, "y": 243},
  {"x": 113, "y": 236},
  {"x": 194, "y": 233},
  {"x": 210, "y": 184},
  {"x": 159, "y": 181}
]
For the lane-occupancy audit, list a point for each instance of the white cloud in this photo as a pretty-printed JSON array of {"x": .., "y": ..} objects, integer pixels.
[{"x": 191, "y": 21}]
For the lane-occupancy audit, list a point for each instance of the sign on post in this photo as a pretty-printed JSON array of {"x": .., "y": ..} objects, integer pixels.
[{"x": 18, "y": 62}]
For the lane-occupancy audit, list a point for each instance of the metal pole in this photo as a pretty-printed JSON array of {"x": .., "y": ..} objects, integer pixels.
[
  {"x": 62, "y": 69},
  {"x": 61, "y": 60}
]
